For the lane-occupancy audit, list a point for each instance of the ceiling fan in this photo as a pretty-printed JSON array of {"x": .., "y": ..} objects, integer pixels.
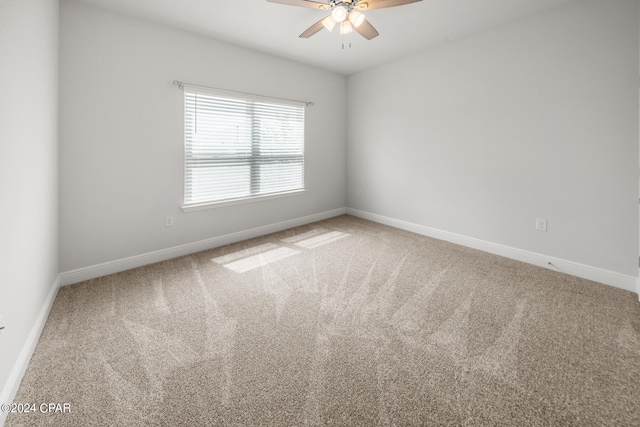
[{"x": 347, "y": 13}]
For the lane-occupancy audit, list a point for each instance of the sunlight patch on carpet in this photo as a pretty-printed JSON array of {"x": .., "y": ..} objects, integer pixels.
[
  {"x": 243, "y": 253},
  {"x": 303, "y": 236},
  {"x": 261, "y": 259},
  {"x": 322, "y": 239}
]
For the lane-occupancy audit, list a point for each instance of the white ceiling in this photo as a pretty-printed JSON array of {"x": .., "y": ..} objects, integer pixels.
[{"x": 274, "y": 28}]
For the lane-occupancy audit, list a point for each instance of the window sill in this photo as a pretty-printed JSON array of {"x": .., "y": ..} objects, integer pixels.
[{"x": 213, "y": 205}]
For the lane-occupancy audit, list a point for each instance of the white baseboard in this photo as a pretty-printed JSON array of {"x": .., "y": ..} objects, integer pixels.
[
  {"x": 22, "y": 363},
  {"x": 622, "y": 281},
  {"x": 104, "y": 269}
]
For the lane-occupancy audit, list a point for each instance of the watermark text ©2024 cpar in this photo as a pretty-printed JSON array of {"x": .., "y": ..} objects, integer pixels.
[{"x": 41, "y": 408}]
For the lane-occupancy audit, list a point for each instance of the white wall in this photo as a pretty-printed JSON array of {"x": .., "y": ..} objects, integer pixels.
[
  {"x": 538, "y": 119},
  {"x": 122, "y": 135},
  {"x": 28, "y": 172}
]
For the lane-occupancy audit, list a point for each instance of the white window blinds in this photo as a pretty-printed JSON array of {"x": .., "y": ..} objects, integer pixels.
[{"x": 239, "y": 146}]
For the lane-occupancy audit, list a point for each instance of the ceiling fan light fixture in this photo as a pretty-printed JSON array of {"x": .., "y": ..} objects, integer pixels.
[
  {"x": 356, "y": 18},
  {"x": 345, "y": 27},
  {"x": 339, "y": 13},
  {"x": 329, "y": 23}
]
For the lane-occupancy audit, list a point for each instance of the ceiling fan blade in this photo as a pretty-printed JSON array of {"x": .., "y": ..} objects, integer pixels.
[
  {"x": 380, "y": 4},
  {"x": 303, "y": 3},
  {"x": 312, "y": 29},
  {"x": 367, "y": 30}
]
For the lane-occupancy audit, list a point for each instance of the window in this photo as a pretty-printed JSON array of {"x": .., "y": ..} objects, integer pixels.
[{"x": 240, "y": 147}]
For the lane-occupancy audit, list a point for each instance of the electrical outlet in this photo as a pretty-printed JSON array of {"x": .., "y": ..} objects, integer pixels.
[
  {"x": 168, "y": 221},
  {"x": 541, "y": 224}
]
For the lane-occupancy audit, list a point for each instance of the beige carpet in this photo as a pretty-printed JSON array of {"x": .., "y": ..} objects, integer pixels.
[{"x": 341, "y": 322}]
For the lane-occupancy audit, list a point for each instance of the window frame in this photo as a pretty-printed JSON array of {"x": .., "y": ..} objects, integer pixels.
[{"x": 250, "y": 100}]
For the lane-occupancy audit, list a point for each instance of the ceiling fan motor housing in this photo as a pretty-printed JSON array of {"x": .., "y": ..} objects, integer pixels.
[{"x": 347, "y": 4}]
